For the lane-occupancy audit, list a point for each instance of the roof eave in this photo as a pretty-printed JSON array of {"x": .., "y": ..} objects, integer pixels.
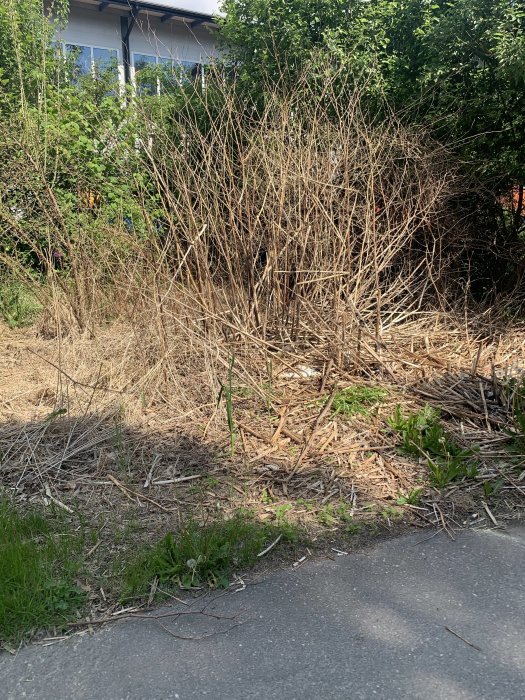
[{"x": 193, "y": 19}]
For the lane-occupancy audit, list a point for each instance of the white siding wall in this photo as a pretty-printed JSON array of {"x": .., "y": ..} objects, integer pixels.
[
  {"x": 89, "y": 27},
  {"x": 172, "y": 40},
  {"x": 92, "y": 28}
]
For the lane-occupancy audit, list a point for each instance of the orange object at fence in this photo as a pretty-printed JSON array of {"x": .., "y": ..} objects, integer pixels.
[
  {"x": 514, "y": 200},
  {"x": 90, "y": 199}
]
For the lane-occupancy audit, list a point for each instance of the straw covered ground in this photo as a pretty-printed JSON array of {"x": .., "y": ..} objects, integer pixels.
[{"x": 312, "y": 442}]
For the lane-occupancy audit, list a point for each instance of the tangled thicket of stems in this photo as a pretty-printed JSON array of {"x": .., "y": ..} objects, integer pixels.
[
  {"x": 308, "y": 224},
  {"x": 306, "y": 216}
]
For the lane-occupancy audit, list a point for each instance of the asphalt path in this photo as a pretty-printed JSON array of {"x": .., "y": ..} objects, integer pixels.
[{"x": 409, "y": 618}]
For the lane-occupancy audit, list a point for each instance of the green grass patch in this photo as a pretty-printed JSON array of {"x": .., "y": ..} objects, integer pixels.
[
  {"x": 39, "y": 560},
  {"x": 392, "y": 513},
  {"x": 357, "y": 400},
  {"x": 422, "y": 435},
  {"x": 412, "y": 498},
  {"x": 200, "y": 555},
  {"x": 334, "y": 514},
  {"x": 281, "y": 513},
  {"x": 491, "y": 488},
  {"x": 18, "y": 306}
]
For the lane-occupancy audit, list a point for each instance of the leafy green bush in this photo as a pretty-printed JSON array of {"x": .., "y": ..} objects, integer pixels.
[{"x": 457, "y": 66}]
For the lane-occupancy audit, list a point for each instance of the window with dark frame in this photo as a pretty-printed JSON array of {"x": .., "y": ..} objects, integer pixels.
[
  {"x": 160, "y": 73},
  {"x": 91, "y": 60}
]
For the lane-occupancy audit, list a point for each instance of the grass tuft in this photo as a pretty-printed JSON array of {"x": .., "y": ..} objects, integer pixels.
[
  {"x": 412, "y": 498},
  {"x": 39, "y": 560},
  {"x": 357, "y": 400},
  {"x": 514, "y": 398},
  {"x": 334, "y": 514},
  {"x": 203, "y": 555}
]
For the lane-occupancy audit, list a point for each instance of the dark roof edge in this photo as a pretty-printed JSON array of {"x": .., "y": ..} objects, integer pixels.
[{"x": 133, "y": 6}]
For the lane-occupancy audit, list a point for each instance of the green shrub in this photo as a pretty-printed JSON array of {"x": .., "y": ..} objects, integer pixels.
[{"x": 18, "y": 306}]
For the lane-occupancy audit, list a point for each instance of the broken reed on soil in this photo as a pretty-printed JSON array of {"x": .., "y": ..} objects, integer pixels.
[{"x": 299, "y": 252}]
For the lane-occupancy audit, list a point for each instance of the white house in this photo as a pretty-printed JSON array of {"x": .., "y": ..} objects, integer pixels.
[{"x": 131, "y": 34}]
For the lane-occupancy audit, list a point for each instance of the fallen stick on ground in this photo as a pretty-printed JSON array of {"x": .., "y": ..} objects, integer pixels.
[
  {"x": 462, "y": 638},
  {"x": 128, "y": 491},
  {"x": 142, "y": 616},
  {"x": 489, "y": 513},
  {"x": 270, "y": 547}
]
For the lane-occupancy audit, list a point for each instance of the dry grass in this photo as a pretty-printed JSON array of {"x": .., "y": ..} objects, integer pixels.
[
  {"x": 288, "y": 448},
  {"x": 317, "y": 253}
]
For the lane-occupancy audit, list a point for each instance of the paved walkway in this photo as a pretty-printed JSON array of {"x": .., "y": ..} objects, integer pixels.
[{"x": 406, "y": 619}]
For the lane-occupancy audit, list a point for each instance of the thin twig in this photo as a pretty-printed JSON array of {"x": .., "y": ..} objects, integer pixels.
[
  {"x": 456, "y": 634},
  {"x": 139, "y": 616},
  {"x": 270, "y": 547},
  {"x": 128, "y": 491}
]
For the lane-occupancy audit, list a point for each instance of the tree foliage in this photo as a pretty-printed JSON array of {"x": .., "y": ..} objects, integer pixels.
[
  {"x": 458, "y": 64},
  {"x": 27, "y": 28},
  {"x": 474, "y": 77}
]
